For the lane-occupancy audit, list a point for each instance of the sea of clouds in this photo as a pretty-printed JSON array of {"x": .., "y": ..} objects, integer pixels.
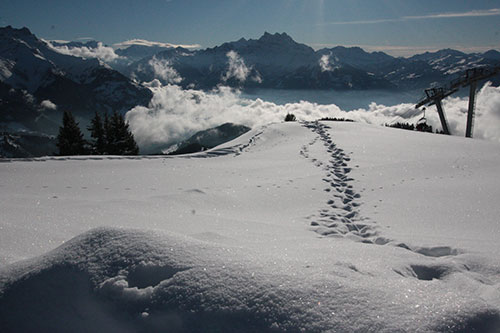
[{"x": 175, "y": 113}]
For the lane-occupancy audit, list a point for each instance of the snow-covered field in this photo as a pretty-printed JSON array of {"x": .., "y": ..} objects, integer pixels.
[{"x": 295, "y": 226}]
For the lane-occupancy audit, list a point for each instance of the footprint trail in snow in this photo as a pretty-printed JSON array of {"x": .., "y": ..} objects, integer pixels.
[{"x": 342, "y": 217}]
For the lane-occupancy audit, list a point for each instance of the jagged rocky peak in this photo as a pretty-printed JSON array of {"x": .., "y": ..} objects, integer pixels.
[
  {"x": 277, "y": 37},
  {"x": 22, "y": 31}
]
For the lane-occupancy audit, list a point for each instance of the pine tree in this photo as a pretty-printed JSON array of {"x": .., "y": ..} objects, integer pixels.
[
  {"x": 96, "y": 128},
  {"x": 70, "y": 139},
  {"x": 119, "y": 137},
  {"x": 108, "y": 135}
]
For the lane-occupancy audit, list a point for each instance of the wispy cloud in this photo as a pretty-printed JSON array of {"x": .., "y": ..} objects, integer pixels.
[
  {"x": 472, "y": 13},
  {"x": 144, "y": 42},
  {"x": 325, "y": 63},
  {"x": 163, "y": 70},
  {"x": 238, "y": 70}
]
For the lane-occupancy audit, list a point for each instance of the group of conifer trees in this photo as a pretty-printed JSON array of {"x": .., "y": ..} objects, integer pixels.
[{"x": 109, "y": 136}]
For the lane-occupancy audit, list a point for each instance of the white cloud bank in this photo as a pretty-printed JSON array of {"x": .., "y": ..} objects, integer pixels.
[
  {"x": 101, "y": 52},
  {"x": 174, "y": 114}
]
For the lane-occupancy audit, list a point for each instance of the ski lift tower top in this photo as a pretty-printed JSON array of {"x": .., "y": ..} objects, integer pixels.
[
  {"x": 469, "y": 78},
  {"x": 434, "y": 97}
]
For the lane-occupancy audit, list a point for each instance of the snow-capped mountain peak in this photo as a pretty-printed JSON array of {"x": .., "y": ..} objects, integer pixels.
[{"x": 83, "y": 86}]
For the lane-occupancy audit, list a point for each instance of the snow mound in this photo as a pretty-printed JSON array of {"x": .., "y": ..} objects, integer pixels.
[{"x": 129, "y": 281}]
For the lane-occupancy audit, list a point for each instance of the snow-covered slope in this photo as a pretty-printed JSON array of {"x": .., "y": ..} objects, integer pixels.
[
  {"x": 29, "y": 63},
  {"x": 299, "y": 227},
  {"x": 422, "y": 70}
]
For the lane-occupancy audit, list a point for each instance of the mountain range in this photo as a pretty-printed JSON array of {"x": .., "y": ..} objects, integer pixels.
[{"x": 277, "y": 61}]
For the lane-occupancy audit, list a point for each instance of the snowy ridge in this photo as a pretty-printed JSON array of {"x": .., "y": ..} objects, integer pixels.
[
  {"x": 234, "y": 147},
  {"x": 227, "y": 243}
]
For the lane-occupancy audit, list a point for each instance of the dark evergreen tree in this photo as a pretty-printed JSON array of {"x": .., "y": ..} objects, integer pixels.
[
  {"x": 70, "y": 139},
  {"x": 108, "y": 135},
  {"x": 290, "y": 117},
  {"x": 406, "y": 126},
  {"x": 98, "y": 143},
  {"x": 120, "y": 139}
]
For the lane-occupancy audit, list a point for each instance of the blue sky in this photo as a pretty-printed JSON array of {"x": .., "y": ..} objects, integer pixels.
[{"x": 399, "y": 27}]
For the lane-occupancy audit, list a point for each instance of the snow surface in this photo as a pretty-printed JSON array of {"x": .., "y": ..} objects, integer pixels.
[{"x": 295, "y": 226}]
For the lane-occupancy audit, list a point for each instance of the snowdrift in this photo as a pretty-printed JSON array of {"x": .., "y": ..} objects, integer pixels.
[{"x": 291, "y": 227}]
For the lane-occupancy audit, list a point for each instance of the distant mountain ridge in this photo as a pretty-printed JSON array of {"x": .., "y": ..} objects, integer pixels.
[
  {"x": 272, "y": 61},
  {"x": 277, "y": 61}
]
